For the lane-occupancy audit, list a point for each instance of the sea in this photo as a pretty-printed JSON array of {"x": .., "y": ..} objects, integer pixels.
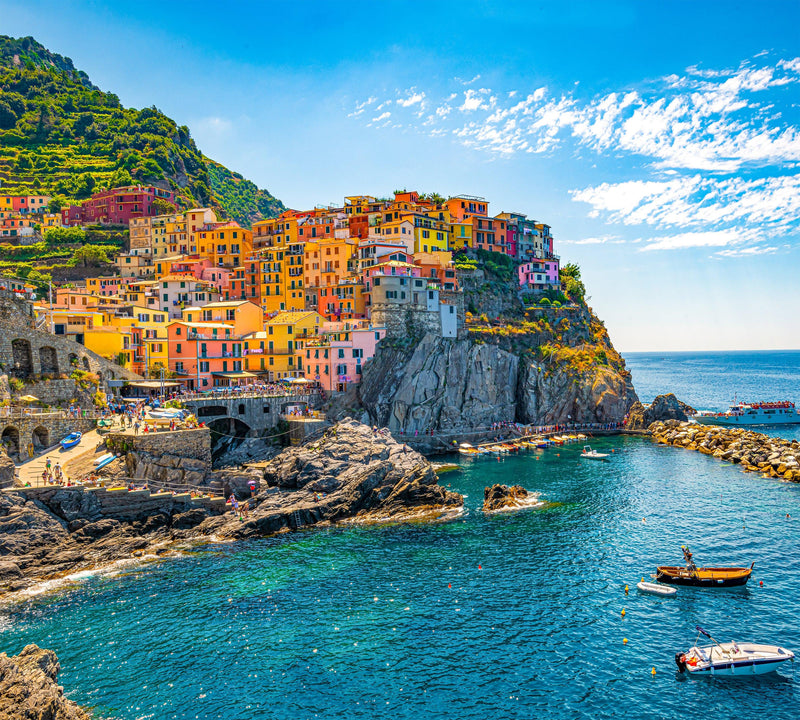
[{"x": 527, "y": 614}]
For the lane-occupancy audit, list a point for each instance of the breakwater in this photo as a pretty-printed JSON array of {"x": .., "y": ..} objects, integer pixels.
[{"x": 754, "y": 452}]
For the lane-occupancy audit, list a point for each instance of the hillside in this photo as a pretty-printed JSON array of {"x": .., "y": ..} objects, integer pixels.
[{"x": 61, "y": 135}]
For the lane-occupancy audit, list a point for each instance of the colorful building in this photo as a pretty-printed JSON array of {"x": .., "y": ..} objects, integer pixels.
[{"x": 117, "y": 206}]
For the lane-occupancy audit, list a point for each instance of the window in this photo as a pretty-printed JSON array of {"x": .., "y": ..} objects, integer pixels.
[
  {"x": 178, "y": 348},
  {"x": 358, "y": 353},
  {"x": 204, "y": 367},
  {"x": 341, "y": 353}
]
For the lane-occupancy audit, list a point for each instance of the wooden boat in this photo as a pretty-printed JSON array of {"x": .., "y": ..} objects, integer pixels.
[
  {"x": 730, "y": 659},
  {"x": 694, "y": 576},
  {"x": 71, "y": 440},
  {"x": 704, "y": 576}
]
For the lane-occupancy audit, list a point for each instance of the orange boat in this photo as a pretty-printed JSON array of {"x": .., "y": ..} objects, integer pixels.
[{"x": 702, "y": 576}]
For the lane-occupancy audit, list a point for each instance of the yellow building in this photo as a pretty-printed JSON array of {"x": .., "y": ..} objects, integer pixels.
[
  {"x": 279, "y": 252},
  {"x": 272, "y": 351},
  {"x": 149, "y": 328},
  {"x": 226, "y": 244},
  {"x": 461, "y": 234}
]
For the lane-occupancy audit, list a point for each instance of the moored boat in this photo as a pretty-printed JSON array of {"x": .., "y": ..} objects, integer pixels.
[
  {"x": 730, "y": 659},
  {"x": 656, "y": 589},
  {"x": 71, "y": 440},
  {"x": 590, "y": 454},
  {"x": 694, "y": 576},
  {"x": 757, "y": 413}
]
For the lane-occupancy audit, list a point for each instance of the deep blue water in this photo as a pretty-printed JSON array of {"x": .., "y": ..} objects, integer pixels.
[
  {"x": 711, "y": 380},
  {"x": 505, "y": 616}
]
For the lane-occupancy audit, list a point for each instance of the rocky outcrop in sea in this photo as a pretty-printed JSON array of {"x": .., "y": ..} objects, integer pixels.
[
  {"x": 754, "y": 452},
  {"x": 502, "y": 497},
  {"x": 663, "y": 407},
  {"x": 29, "y": 691}
]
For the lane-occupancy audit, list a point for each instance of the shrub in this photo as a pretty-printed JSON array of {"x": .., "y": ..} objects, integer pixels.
[
  {"x": 16, "y": 384},
  {"x": 545, "y": 302}
]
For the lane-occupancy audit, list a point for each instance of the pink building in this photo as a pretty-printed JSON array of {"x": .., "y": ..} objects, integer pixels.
[
  {"x": 539, "y": 275},
  {"x": 335, "y": 359},
  {"x": 116, "y": 206}
]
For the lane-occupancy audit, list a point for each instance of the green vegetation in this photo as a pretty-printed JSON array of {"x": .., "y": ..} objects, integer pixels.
[
  {"x": 570, "y": 276},
  {"x": 61, "y": 135},
  {"x": 497, "y": 265}
]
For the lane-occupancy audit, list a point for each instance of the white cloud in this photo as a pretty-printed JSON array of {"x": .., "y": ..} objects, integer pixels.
[
  {"x": 681, "y": 241},
  {"x": 412, "y": 99},
  {"x": 747, "y": 252}
]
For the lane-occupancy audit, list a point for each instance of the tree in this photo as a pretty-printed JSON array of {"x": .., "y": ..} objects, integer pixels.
[
  {"x": 163, "y": 207},
  {"x": 89, "y": 256},
  {"x": 8, "y": 118}
]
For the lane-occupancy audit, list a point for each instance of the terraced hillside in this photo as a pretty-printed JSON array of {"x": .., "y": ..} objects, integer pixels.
[{"x": 63, "y": 136}]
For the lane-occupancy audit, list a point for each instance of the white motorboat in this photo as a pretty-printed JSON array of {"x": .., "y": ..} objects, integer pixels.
[
  {"x": 590, "y": 454},
  {"x": 656, "y": 589},
  {"x": 731, "y": 659}
]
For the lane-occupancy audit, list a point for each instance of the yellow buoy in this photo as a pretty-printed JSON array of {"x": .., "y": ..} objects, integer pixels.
[
  {"x": 626, "y": 589},
  {"x": 623, "y": 612},
  {"x": 624, "y": 641},
  {"x": 653, "y": 671}
]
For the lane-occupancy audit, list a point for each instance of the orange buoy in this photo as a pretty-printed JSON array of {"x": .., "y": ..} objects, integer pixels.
[{"x": 623, "y": 612}]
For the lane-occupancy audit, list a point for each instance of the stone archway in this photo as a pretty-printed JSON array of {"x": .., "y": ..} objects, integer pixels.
[
  {"x": 86, "y": 365},
  {"x": 40, "y": 437},
  {"x": 10, "y": 440},
  {"x": 48, "y": 360},
  {"x": 23, "y": 360}
]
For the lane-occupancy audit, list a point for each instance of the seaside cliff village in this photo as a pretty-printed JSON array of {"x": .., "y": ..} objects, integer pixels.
[{"x": 302, "y": 297}]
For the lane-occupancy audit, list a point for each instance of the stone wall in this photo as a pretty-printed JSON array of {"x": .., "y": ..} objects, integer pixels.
[
  {"x": 406, "y": 321},
  {"x": 26, "y": 352},
  {"x": 179, "y": 460},
  {"x": 60, "y": 391},
  {"x": 74, "y": 503}
]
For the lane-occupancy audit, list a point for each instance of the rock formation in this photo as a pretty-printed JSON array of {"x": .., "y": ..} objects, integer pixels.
[
  {"x": 29, "y": 691},
  {"x": 773, "y": 457},
  {"x": 664, "y": 407},
  {"x": 499, "y": 497},
  {"x": 353, "y": 473}
]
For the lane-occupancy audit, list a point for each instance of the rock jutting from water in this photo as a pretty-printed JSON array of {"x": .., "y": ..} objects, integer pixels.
[
  {"x": 663, "y": 407},
  {"x": 28, "y": 688},
  {"x": 501, "y": 497},
  {"x": 755, "y": 452}
]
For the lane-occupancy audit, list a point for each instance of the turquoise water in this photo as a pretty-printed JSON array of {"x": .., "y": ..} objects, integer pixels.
[{"x": 503, "y": 616}]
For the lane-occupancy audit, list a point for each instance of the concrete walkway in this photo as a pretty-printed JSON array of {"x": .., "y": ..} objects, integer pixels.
[{"x": 31, "y": 471}]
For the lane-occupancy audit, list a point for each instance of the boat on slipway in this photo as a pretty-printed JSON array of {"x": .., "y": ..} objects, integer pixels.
[
  {"x": 758, "y": 413},
  {"x": 730, "y": 659},
  {"x": 694, "y": 576},
  {"x": 71, "y": 440}
]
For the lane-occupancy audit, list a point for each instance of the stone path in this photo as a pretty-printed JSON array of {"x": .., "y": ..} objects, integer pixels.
[{"x": 31, "y": 471}]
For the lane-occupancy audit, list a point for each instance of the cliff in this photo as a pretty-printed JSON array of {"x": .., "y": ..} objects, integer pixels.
[
  {"x": 540, "y": 366},
  {"x": 28, "y": 688}
]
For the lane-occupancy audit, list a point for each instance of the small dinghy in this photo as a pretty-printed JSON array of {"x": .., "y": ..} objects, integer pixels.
[
  {"x": 730, "y": 659},
  {"x": 102, "y": 458},
  {"x": 71, "y": 440},
  {"x": 590, "y": 454},
  {"x": 656, "y": 589}
]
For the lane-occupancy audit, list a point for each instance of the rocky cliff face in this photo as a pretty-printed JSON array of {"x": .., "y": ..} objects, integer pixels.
[
  {"x": 28, "y": 688},
  {"x": 544, "y": 367}
]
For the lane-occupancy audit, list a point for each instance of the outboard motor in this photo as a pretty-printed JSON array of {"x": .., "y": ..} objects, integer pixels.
[{"x": 680, "y": 661}]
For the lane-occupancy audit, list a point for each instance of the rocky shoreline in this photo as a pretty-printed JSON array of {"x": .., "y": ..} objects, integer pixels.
[
  {"x": 752, "y": 451},
  {"x": 352, "y": 474},
  {"x": 28, "y": 688}
]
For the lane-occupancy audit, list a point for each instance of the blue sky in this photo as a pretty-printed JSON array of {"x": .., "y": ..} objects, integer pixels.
[{"x": 659, "y": 139}]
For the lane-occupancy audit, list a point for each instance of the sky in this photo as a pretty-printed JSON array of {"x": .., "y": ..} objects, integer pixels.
[{"x": 659, "y": 139}]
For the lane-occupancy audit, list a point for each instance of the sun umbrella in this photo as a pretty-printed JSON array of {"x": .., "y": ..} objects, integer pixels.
[{"x": 28, "y": 398}]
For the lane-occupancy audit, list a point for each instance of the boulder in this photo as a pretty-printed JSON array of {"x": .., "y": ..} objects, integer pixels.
[
  {"x": 662, "y": 409},
  {"x": 498, "y": 497}
]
